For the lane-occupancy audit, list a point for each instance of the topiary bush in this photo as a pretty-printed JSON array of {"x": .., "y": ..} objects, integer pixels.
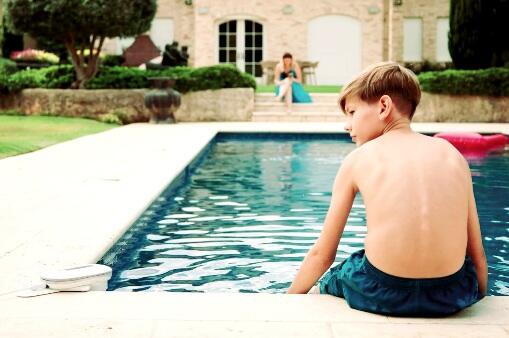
[{"x": 490, "y": 81}]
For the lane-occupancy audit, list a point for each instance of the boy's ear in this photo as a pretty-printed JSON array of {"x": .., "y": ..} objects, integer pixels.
[{"x": 386, "y": 106}]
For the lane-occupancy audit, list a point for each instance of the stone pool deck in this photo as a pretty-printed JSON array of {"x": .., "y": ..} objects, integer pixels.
[{"x": 67, "y": 204}]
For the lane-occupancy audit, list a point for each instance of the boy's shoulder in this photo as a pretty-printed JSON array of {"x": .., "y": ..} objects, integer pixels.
[{"x": 379, "y": 148}]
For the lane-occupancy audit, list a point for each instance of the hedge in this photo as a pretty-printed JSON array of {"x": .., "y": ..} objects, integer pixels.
[
  {"x": 187, "y": 79},
  {"x": 490, "y": 81},
  {"x": 7, "y": 66}
]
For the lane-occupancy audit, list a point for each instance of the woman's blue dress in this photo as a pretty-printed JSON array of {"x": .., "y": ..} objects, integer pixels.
[{"x": 299, "y": 95}]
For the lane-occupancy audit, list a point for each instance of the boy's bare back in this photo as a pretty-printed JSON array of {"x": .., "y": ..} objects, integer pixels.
[{"x": 416, "y": 190}]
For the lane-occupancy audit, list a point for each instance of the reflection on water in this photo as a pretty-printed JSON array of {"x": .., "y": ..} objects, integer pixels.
[
  {"x": 491, "y": 187},
  {"x": 252, "y": 210}
]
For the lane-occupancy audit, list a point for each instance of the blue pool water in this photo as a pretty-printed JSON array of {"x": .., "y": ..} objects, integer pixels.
[{"x": 243, "y": 216}]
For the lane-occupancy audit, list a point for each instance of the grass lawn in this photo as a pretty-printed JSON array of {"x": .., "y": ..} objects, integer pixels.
[
  {"x": 22, "y": 134},
  {"x": 308, "y": 88}
]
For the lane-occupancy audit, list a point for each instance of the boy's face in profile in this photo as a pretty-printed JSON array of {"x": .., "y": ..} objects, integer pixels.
[{"x": 362, "y": 120}]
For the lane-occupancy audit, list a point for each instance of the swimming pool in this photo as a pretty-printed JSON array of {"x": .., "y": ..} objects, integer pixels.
[{"x": 243, "y": 215}]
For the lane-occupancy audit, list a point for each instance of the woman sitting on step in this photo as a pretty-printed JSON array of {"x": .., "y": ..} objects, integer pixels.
[{"x": 288, "y": 79}]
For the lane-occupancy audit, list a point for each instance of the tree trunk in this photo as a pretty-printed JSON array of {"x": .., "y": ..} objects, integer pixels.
[{"x": 84, "y": 70}]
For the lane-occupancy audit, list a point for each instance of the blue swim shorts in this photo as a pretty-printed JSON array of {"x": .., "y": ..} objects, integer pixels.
[{"x": 366, "y": 288}]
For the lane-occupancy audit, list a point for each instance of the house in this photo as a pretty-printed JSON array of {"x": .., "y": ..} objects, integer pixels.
[{"x": 344, "y": 36}]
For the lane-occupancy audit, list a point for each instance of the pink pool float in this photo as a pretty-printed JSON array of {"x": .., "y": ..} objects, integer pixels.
[{"x": 475, "y": 144}]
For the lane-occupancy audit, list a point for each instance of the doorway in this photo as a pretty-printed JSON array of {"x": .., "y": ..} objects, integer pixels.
[
  {"x": 335, "y": 41},
  {"x": 241, "y": 44}
]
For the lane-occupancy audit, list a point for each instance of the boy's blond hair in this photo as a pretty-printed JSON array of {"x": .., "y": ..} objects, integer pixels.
[{"x": 385, "y": 78}]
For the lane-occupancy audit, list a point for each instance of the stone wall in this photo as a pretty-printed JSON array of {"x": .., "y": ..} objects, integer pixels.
[
  {"x": 232, "y": 104},
  {"x": 462, "y": 108},
  {"x": 81, "y": 103}
]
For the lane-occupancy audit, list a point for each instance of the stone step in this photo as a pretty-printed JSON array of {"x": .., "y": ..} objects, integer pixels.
[
  {"x": 260, "y": 116},
  {"x": 296, "y": 107},
  {"x": 317, "y": 98}
]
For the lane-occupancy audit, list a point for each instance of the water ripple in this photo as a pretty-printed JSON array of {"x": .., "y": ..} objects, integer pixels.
[{"x": 251, "y": 211}]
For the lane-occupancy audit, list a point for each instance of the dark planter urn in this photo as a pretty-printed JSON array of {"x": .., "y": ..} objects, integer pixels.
[{"x": 162, "y": 101}]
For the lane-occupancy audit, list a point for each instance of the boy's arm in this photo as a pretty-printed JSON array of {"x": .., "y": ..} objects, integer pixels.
[
  {"x": 323, "y": 252},
  {"x": 475, "y": 248}
]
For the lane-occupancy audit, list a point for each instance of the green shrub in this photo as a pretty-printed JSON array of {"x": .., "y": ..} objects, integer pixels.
[
  {"x": 4, "y": 83},
  {"x": 490, "y": 81},
  {"x": 214, "y": 77},
  {"x": 7, "y": 66},
  {"x": 119, "y": 77},
  {"x": 112, "y": 60},
  {"x": 187, "y": 79},
  {"x": 48, "y": 77},
  {"x": 29, "y": 78},
  {"x": 58, "y": 76}
]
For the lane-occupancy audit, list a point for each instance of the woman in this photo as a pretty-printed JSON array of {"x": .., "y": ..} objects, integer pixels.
[{"x": 288, "y": 79}]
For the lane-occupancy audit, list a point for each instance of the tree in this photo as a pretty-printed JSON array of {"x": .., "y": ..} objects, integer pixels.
[
  {"x": 477, "y": 34},
  {"x": 81, "y": 25}
]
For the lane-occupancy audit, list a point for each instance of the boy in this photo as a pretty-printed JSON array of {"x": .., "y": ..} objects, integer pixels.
[{"x": 423, "y": 254}]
